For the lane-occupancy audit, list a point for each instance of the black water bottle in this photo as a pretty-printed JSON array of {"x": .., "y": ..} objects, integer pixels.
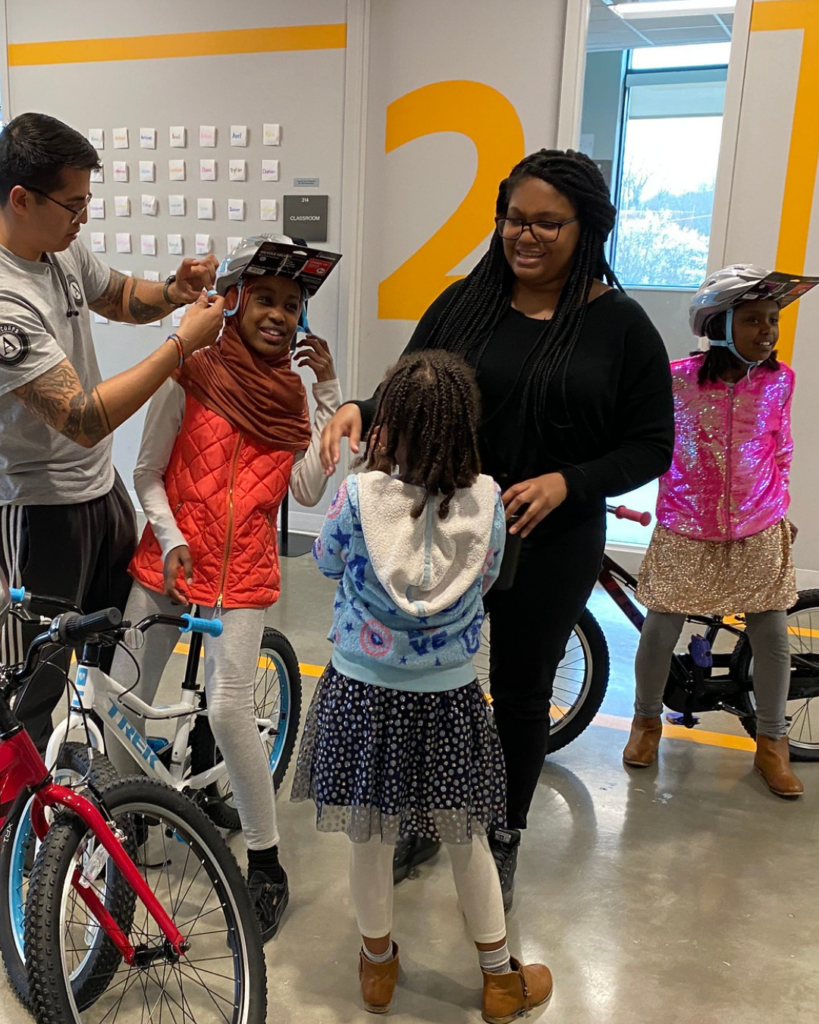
[{"x": 511, "y": 556}]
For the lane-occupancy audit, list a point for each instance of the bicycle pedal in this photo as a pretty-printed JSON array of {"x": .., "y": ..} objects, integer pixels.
[{"x": 678, "y": 718}]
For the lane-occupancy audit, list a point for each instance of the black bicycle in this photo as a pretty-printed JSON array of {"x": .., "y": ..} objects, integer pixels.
[{"x": 713, "y": 675}]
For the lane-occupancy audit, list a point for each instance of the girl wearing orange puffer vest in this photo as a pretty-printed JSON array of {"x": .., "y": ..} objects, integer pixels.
[{"x": 220, "y": 447}]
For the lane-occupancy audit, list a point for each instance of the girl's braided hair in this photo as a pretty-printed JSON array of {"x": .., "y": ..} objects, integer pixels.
[
  {"x": 476, "y": 308},
  {"x": 426, "y": 422}
]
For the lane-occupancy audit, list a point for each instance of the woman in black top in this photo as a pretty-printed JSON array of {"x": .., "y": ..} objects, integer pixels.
[{"x": 577, "y": 407}]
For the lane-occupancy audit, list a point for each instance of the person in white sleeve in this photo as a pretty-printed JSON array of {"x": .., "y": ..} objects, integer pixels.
[{"x": 222, "y": 443}]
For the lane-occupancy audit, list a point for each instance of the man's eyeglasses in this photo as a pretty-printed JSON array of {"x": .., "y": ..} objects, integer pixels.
[
  {"x": 76, "y": 215},
  {"x": 542, "y": 230}
]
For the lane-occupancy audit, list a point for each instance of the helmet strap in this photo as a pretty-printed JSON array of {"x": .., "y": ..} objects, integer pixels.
[
  {"x": 728, "y": 342},
  {"x": 235, "y": 310}
]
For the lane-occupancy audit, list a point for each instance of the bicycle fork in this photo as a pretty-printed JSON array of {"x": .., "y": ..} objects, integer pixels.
[{"x": 111, "y": 841}]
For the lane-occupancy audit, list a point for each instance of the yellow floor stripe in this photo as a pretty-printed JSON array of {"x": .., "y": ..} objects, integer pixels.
[
  {"x": 180, "y": 44},
  {"x": 673, "y": 732}
]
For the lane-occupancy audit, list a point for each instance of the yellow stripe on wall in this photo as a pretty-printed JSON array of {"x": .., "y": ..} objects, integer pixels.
[
  {"x": 803, "y": 157},
  {"x": 180, "y": 44}
]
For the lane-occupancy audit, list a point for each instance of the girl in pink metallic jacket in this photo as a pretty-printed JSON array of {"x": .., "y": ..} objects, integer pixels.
[{"x": 723, "y": 542}]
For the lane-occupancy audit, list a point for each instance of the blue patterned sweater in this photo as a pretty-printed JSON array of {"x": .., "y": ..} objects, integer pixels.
[{"x": 409, "y": 605}]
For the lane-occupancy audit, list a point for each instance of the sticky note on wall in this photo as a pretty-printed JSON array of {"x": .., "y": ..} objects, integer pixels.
[
  {"x": 122, "y": 206},
  {"x": 123, "y": 242},
  {"x": 269, "y": 209},
  {"x": 120, "y": 138},
  {"x": 147, "y": 138},
  {"x": 272, "y": 135},
  {"x": 175, "y": 245},
  {"x": 176, "y": 170},
  {"x": 178, "y": 136}
]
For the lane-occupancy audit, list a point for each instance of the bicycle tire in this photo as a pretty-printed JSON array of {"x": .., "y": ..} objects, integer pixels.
[
  {"x": 132, "y": 802},
  {"x": 205, "y": 754},
  {"x": 16, "y": 848},
  {"x": 596, "y": 682},
  {"x": 741, "y": 669},
  {"x": 566, "y": 724}
]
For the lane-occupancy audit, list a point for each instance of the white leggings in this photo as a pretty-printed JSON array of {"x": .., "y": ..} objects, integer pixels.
[
  {"x": 230, "y": 670},
  {"x": 476, "y": 879}
]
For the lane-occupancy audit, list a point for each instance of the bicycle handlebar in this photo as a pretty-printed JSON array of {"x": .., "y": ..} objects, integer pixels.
[
  {"x": 75, "y": 629},
  {"x": 621, "y": 512},
  {"x": 212, "y": 627}
]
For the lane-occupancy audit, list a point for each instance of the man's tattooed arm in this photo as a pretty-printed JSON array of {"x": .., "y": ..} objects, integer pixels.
[
  {"x": 58, "y": 398},
  {"x": 109, "y": 304},
  {"x": 131, "y": 301}
]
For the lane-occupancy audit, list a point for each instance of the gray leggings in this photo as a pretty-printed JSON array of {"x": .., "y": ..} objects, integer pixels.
[
  {"x": 768, "y": 634},
  {"x": 230, "y": 669}
]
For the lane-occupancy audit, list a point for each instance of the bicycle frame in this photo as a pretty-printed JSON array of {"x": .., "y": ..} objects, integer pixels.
[
  {"x": 23, "y": 771},
  {"x": 118, "y": 708},
  {"x": 619, "y": 584}
]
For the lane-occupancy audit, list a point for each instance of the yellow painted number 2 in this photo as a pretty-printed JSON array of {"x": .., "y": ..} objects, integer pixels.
[{"x": 486, "y": 117}]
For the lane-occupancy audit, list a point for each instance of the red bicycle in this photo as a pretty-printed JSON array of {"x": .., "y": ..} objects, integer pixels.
[{"x": 135, "y": 907}]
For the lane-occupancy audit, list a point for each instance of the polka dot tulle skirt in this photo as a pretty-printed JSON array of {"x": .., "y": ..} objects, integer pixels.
[{"x": 388, "y": 763}]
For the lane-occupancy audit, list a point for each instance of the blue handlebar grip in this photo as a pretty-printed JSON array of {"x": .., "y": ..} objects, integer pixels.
[
  {"x": 18, "y": 594},
  {"x": 213, "y": 627}
]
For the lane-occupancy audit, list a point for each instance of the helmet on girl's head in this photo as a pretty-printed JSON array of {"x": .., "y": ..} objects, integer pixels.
[
  {"x": 280, "y": 256},
  {"x": 722, "y": 291},
  {"x": 233, "y": 266}
]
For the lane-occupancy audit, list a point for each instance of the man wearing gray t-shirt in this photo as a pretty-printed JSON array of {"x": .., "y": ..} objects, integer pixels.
[{"x": 67, "y": 527}]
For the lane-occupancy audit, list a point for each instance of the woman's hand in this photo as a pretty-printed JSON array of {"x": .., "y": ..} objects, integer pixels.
[
  {"x": 794, "y": 531},
  {"x": 176, "y": 559},
  {"x": 345, "y": 423},
  {"x": 315, "y": 353},
  {"x": 541, "y": 495}
]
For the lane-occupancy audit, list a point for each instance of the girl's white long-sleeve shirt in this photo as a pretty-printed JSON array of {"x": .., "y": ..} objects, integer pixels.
[{"x": 163, "y": 422}]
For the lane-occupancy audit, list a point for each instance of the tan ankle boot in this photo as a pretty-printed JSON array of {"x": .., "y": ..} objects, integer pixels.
[
  {"x": 641, "y": 749},
  {"x": 772, "y": 761},
  {"x": 507, "y": 996},
  {"x": 378, "y": 981}
]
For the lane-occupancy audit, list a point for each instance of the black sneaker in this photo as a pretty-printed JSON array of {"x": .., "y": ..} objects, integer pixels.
[
  {"x": 409, "y": 853},
  {"x": 269, "y": 900},
  {"x": 504, "y": 843}
]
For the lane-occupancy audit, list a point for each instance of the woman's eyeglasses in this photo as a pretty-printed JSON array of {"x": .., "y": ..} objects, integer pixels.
[
  {"x": 541, "y": 230},
  {"x": 76, "y": 215}
]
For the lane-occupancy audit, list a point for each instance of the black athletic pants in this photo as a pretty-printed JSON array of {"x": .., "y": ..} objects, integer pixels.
[
  {"x": 77, "y": 552},
  {"x": 530, "y": 627}
]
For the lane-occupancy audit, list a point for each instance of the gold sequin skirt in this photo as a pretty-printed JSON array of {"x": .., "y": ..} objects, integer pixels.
[{"x": 703, "y": 577}]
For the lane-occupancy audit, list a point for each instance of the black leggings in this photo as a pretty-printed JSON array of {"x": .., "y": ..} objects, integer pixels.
[
  {"x": 78, "y": 552},
  {"x": 530, "y": 626}
]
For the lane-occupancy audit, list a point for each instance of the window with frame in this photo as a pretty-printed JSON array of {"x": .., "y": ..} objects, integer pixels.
[{"x": 669, "y": 149}]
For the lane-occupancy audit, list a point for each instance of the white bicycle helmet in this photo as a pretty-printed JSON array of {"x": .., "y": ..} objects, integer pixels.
[
  {"x": 233, "y": 266},
  {"x": 722, "y": 291}
]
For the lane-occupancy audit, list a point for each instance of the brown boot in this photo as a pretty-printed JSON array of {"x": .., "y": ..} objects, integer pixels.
[
  {"x": 378, "y": 981},
  {"x": 773, "y": 762},
  {"x": 507, "y": 996},
  {"x": 641, "y": 749}
]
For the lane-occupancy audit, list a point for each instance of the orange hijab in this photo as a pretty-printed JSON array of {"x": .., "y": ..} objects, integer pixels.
[{"x": 262, "y": 397}]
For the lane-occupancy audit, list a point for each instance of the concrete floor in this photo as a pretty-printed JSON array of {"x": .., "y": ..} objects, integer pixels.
[{"x": 684, "y": 893}]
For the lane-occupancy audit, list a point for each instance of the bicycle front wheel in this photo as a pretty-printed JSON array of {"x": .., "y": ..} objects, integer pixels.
[
  {"x": 580, "y": 682},
  {"x": 220, "y": 980},
  {"x": 18, "y": 845}
]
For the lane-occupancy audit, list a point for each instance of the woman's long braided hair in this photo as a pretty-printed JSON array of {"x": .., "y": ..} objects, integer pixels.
[
  {"x": 477, "y": 307},
  {"x": 426, "y": 421}
]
